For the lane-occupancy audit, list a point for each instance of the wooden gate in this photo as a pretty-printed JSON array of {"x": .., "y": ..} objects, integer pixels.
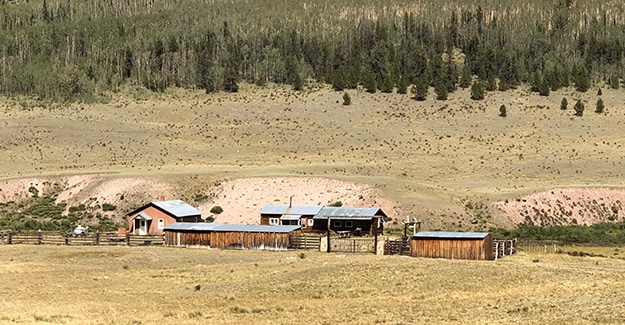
[
  {"x": 352, "y": 245},
  {"x": 304, "y": 241},
  {"x": 399, "y": 246}
]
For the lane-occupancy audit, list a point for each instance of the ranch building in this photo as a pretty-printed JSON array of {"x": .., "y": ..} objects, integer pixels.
[
  {"x": 300, "y": 215},
  {"x": 215, "y": 235},
  {"x": 152, "y": 218},
  {"x": 452, "y": 245},
  {"x": 344, "y": 220}
]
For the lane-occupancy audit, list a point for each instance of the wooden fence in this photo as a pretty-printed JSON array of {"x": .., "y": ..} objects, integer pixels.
[
  {"x": 92, "y": 239},
  {"x": 551, "y": 247},
  {"x": 305, "y": 241},
  {"x": 352, "y": 245},
  {"x": 399, "y": 246},
  {"x": 503, "y": 247}
]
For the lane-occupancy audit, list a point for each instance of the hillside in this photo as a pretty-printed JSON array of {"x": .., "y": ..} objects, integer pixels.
[{"x": 453, "y": 164}]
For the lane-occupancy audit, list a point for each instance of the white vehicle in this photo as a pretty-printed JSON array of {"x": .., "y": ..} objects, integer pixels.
[{"x": 80, "y": 231}]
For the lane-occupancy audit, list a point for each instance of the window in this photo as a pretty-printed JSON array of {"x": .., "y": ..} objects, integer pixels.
[
  {"x": 349, "y": 224},
  {"x": 274, "y": 221},
  {"x": 311, "y": 222},
  {"x": 337, "y": 224},
  {"x": 161, "y": 223}
]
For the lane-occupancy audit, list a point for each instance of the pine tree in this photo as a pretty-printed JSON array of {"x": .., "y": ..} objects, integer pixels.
[
  {"x": 477, "y": 91},
  {"x": 369, "y": 82},
  {"x": 402, "y": 85},
  {"x": 502, "y": 111},
  {"x": 564, "y": 104},
  {"x": 420, "y": 89},
  {"x": 599, "y": 93},
  {"x": 441, "y": 90},
  {"x": 465, "y": 78},
  {"x": 614, "y": 82},
  {"x": 579, "y": 108},
  {"x": 582, "y": 80},
  {"x": 347, "y": 100},
  {"x": 45, "y": 12},
  {"x": 600, "y": 106},
  {"x": 543, "y": 89},
  {"x": 491, "y": 84}
]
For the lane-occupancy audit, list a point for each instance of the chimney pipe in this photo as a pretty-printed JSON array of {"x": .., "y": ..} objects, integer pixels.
[{"x": 291, "y": 201}]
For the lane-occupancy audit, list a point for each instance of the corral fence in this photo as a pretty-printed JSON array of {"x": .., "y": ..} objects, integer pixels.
[
  {"x": 352, "y": 245},
  {"x": 91, "y": 239},
  {"x": 503, "y": 247},
  {"x": 399, "y": 246},
  {"x": 305, "y": 241},
  {"x": 540, "y": 246}
]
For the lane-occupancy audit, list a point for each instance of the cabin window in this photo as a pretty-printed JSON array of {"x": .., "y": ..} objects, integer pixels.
[
  {"x": 161, "y": 223},
  {"x": 311, "y": 222},
  {"x": 274, "y": 221},
  {"x": 338, "y": 224},
  {"x": 349, "y": 224}
]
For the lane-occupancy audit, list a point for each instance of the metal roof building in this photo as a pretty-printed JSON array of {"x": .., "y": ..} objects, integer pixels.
[
  {"x": 290, "y": 210},
  {"x": 224, "y": 227},
  {"x": 452, "y": 245},
  {"x": 216, "y": 235},
  {"x": 349, "y": 213}
]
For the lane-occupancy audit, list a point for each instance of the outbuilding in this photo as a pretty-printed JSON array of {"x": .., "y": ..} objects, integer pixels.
[
  {"x": 152, "y": 218},
  {"x": 354, "y": 221},
  {"x": 217, "y": 235},
  {"x": 299, "y": 215},
  {"x": 452, "y": 245}
]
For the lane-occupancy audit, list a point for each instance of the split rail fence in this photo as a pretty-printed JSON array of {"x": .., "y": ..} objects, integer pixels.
[{"x": 92, "y": 239}]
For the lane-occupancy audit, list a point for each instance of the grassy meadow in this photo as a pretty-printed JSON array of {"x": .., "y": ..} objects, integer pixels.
[{"x": 130, "y": 285}]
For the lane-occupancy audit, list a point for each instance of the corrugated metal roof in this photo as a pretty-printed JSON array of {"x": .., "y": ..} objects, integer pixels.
[
  {"x": 177, "y": 208},
  {"x": 221, "y": 227},
  {"x": 296, "y": 209},
  {"x": 143, "y": 216},
  {"x": 451, "y": 235},
  {"x": 351, "y": 213},
  {"x": 291, "y": 217}
]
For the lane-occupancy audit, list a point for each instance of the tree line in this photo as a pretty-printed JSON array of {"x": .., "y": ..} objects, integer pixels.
[{"x": 67, "y": 50}]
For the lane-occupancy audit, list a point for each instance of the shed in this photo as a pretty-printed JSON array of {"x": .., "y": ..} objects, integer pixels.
[
  {"x": 152, "y": 218},
  {"x": 216, "y": 235},
  {"x": 453, "y": 245}
]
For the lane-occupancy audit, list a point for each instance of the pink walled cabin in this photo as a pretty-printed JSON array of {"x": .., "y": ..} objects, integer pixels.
[{"x": 152, "y": 218}]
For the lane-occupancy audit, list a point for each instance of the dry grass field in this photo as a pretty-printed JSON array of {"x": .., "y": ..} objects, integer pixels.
[
  {"x": 454, "y": 164},
  {"x": 150, "y": 285}
]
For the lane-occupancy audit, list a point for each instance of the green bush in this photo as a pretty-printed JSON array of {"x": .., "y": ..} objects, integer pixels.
[
  {"x": 600, "y": 106},
  {"x": 502, "y": 111},
  {"x": 477, "y": 91},
  {"x": 216, "y": 210},
  {"x": 108, "y": 207},
  {"x": 347, "y": 100}
]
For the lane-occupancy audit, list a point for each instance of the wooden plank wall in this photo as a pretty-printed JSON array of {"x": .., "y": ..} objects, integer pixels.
[
  {"x": 237, "y": 240},
  {"x": 468, "y": 249}
]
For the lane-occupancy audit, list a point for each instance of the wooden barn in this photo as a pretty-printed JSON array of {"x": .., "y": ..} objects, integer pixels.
[
  {"x": 452, "y": 245},
  {"x": 215, "y": 235},
  {"x": 300, "y": 215},
  {"x": 152, "y": 218}
]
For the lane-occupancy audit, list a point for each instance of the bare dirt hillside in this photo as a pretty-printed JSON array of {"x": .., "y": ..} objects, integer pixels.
[{"x": 453, "y": 164}]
